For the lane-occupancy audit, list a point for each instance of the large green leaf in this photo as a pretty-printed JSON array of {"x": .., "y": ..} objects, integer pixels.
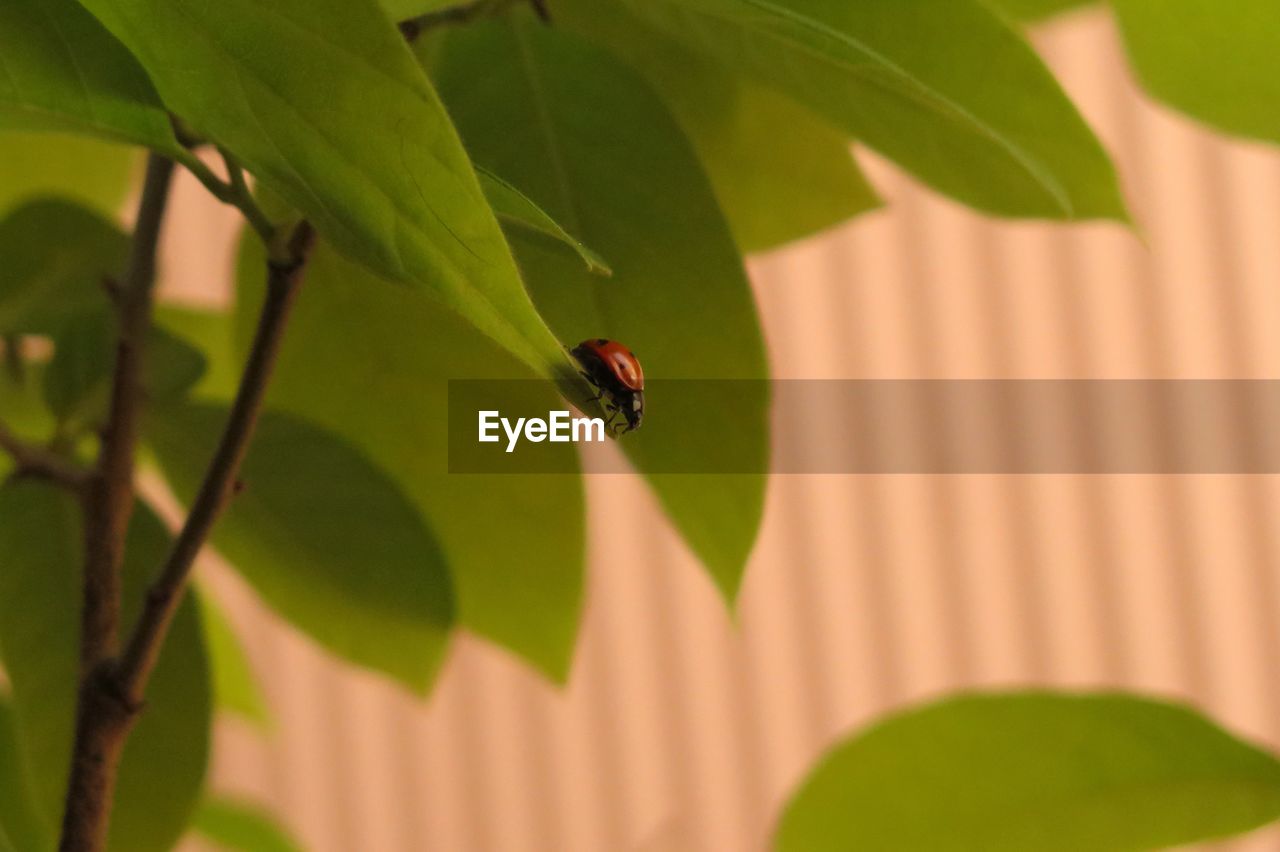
[
  {"x": 943, "y": 87},
  {"x": 514, "y": 543},
  {"x": 1031, "y": 11},
  {"x": 556, "y": 116},
  {"x": 1216, "y": 61},
  {"x": 779, "y": 172},
  {"x": 1036, "y": 771},
  {"x": 324, "y": 537},
  {"x": 325, "y": 104},
  {"x": 238, "y": 827},
  {"x": 22, "y": 409},
  {"x": 163, "y": 767},
  {"x": 62, "y": 70},
  {"x": 54, "y": 257},
  {"x": 34, "y": 165}
]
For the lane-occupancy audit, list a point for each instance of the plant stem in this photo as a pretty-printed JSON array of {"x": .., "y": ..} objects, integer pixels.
[
  {"x": 235, "y": 192},
  {"x": 113, "y": 691},
  {"x": 139, "y": 657},
  {"x": 33, "y": 460},
  {"x": 108, "y": 508}
]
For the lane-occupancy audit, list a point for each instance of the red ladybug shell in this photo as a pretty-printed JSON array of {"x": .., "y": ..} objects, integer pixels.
[{"x": 618, "y": 360}]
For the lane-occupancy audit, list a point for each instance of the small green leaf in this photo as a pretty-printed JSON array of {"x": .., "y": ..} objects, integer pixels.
[
  {"x": 325, "y": 104},
  {"x": 18, "y": 816},
  {"x": 76, "y": 168},
  {"x": 514, "y": 206},
  {"x": 943, "y": 87},
  {"x": 238, "y": 827},
  {"x": 1036, "y": 771},
  {"x": 64, "y": 71},
  {"x": 1033, "y": 11},
  {"x": 77, "y": 384},
  {"x": 212, "y": 333},
  {"x": 556, "y": 116},
  {"x": 234, "y": 684},
  {"x": 41, "y": 550},
  {"x": 780, "y": 173},
  {"x": 325, "y": 537},
  {"x": 1216, "y": 61},
  {"x": 23, "y": 407},
  {"x": 513, "y": 543},
  {"x": 54, "y": 258}
]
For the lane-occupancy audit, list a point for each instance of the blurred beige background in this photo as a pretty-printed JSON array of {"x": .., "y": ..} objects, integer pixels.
[{"x": 681, "y": 730}]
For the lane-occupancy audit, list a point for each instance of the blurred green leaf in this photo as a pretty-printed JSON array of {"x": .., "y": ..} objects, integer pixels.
[
  {"x": 325, "y": 537},
  {"x": 556, "y": 116},
  {"x": 1215, "y": 61},
  {"x": 40, "y": 548},
  {"x": 54, "y": 257},
  {"x": 212, "y": 333},
  {"x": 77, "y": 385},
  {"x": 1036, "y": 771},
  {"x": 235, "y": 686},
  {"x": 514, "y": 206},
  {"x": 22, "y": 405},
  {"x": 331, "y": 112},
  {"x": 513, "y": 543},
  {"x": 780, "y": 173},
  {"x": 20, "y": 824},
  {"x": 64, "y": 71},
  {"x": 1032, "y": 11},
  {"x": 943, "y": 87},
  {"x": 76, "y": 168},
  {"x": 238, "y": 827}
]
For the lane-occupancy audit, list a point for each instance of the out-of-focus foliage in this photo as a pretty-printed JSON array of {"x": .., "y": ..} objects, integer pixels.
[
  {"x": 513, "y": 543},
  {"x": 235, "y": 686},
  {"x": 238, "y": 827},
  {"x": 1044, "y": 771},
  {"x": 78, "y": 168},
  {"x": 40, "y": 548},
  {"x": 325, "y": 537}
]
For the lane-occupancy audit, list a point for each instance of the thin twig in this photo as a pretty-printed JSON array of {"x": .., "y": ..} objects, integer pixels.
[
  {"x": 235, "y": 192},
  {"x": 139, "y": 657},
  {"x": 109, "y": 503},
  {"x": 34, "y": 460},
  {"x": 463, "y": 13}
]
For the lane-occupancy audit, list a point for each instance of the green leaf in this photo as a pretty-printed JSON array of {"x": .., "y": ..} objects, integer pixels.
[
  {"x": 943, "y": 87},
  {"x": 77, "y": 385},
  {"x": 63, "y": 71},
  {"x": 40, "y": 547},
  {"x": 514, "y": 206},
  {"x": 54, "y": 257},
  {"x": 399, "y": 10},
  {"x": 211, "y": 332},
  {"x": 780, "y": 174},
  {"x": 556, "y": 116},
  {"x": 23, "y": 408},
  {"x": 326, "y": 106},
  {"x": 239, "y": 827},
  {"x": 1033, "y": 11},
  {"x": 382, "y": 384},
  {"x": 1214, "y": 61},
  {"x": 324, "y": 537},
  {"x": 18, "y": 817},
  {"x": 235, "y": 686},
  {"x": 93, "y": 173},
  {"x": 1036, "y": 771}
]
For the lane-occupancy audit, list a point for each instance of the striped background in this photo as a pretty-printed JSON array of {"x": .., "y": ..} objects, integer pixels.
[{"x": 683, "y": 731}]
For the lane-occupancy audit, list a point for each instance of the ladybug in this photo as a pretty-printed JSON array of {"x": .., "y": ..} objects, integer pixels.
[{"x": 615, "y": 373}]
